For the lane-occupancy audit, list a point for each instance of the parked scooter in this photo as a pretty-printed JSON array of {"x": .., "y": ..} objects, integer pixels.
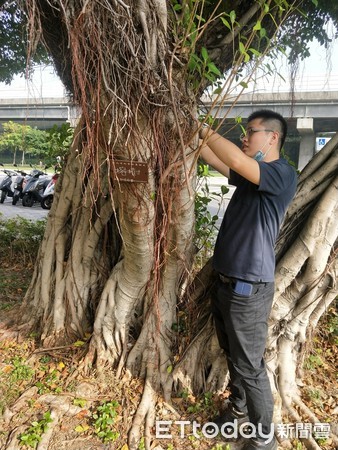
[
  {"x": 48, "y": 195},
  {"x": 6, "y": 185},
  {"x": 34, "y": 188},
  {"x": 19, "y": 183}
]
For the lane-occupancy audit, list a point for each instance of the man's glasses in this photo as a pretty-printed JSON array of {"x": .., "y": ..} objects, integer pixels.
[{"x": 250, "y": 131}]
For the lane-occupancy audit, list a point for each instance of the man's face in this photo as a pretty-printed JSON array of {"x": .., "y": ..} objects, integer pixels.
[{"x": 257, "y": 138}]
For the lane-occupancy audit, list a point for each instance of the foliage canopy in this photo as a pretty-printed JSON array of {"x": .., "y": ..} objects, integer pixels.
[
  {"x": 14, "y": 42},
  {"x": 309, "y": 23}
]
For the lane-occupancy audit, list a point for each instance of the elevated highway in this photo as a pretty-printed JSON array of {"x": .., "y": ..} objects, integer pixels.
[
  {"x": 42, "y": 113},
  {"x": 309, "y": 115}
]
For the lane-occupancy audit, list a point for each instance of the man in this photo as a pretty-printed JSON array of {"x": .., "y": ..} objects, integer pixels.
[{"x": 245, "y": 260}]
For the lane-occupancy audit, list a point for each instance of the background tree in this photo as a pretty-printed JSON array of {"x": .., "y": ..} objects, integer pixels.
[
  {"x": 59, "y": 140},
  {"x": 13, "y": 43},
  {"x": 23, "y": 138},
  {"x": 117, "y": 255},
  {"x": 10, "y": 139}
]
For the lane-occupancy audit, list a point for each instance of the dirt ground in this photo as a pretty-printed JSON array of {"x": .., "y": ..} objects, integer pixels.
[{"x": 47, "y": 402}]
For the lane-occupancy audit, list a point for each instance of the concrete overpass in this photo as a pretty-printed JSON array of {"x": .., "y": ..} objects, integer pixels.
[
  {"x": 310, "y": 115},
  {"x": 42, "y": 113}
]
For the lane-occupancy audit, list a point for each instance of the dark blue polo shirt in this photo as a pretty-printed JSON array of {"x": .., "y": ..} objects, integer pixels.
[{"x": 245, "y": 246}]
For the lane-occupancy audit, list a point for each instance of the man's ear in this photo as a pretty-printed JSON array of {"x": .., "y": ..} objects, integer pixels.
[{"x": 274, "y": 138}]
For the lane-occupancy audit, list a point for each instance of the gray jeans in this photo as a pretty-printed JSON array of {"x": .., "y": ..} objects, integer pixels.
[{"x": 241, "y": 325}]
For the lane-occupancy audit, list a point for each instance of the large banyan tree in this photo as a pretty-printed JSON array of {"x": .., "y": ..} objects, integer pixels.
[{"x": 117, "y": 256}]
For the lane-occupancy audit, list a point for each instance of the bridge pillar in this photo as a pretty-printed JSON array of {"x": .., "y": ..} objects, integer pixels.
[{"x": 307, "y": 142}]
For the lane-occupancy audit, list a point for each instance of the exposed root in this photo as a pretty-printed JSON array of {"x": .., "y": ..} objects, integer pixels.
[
  {"x": 309, "y": 442},
  {"x": 201, "y": 355},
  {"x": 11, "y": 330},
  {"x": 57, "y": 405},
  {"x": 46, "y": 437},
  {"x": 19, "y": 404},
  {"x": 145, "y": 416},
  {"x": 13, "y": 438},
  {"x": 313, "y": 418}
]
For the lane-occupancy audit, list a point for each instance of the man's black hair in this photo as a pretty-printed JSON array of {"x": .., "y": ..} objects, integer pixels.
[{"x": 267, "y": 115}]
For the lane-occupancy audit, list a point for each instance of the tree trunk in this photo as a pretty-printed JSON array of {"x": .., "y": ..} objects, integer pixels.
[{"x": 101, "y": 270}]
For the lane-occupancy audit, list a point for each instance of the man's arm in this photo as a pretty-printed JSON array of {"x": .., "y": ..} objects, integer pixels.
[
  {"x": 231, "y": 155},
  {"x": 210, "y": 158}
]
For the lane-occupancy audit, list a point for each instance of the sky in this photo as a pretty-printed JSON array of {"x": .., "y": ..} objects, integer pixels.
[
  {"x": 44, "y": 83},
  {"x": 316, "y": 73}
]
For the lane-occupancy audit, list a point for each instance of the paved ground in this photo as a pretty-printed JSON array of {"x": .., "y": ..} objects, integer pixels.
[
  {"x": 36, "y": 212},
  {"x": 9, "y": 211}
]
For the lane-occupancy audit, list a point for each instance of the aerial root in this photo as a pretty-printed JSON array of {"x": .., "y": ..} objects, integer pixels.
[{"x": 145, "y": 415}]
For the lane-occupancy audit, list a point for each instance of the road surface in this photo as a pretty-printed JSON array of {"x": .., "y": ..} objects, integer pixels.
[
  {"x": 35, "y": 212},
  {"x": 9, "y": 211}
]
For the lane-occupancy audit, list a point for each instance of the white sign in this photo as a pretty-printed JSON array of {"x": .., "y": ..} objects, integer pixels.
[{"x": 321, "y": 142}]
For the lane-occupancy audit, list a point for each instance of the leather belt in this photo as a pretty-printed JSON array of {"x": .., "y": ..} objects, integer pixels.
[{"x": 225, "y": 279}]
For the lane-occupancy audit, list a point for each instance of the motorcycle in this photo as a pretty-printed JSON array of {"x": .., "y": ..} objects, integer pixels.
[
  {"x": 19, "y": 184},
  {"x": 6, "y": 185},
  {"x": 48, "y": 194},
  {"x": 34, "y": 187}
]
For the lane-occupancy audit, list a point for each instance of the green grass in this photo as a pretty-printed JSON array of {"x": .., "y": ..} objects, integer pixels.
[
  {"x": 12, "y": 286},
  {"x": 26, "y": 167}
]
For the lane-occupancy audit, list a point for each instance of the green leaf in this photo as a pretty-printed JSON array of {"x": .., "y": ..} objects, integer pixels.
[
  {"x": 224, "y": 189},
  {"x": 315, "y": 2},
  {"x": 209, "y": 76},
  {"x": 200, "y": 18},
  {"x": 242, "y": 48},
  {"x": 254, "y": 51},
  {"x": 258, "y": 26},
  {"x": 226, "y": 23},
  {"x": 47, "y": 416},
  {"x": 212, "y": 68},
  {"x": 204, "y": 53},
  {"x": 80, "y": 402},
  {"x": 244, "y": 84},
  {"x": 232, "y": 16},
  {"x": 194, "y": 63}
]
